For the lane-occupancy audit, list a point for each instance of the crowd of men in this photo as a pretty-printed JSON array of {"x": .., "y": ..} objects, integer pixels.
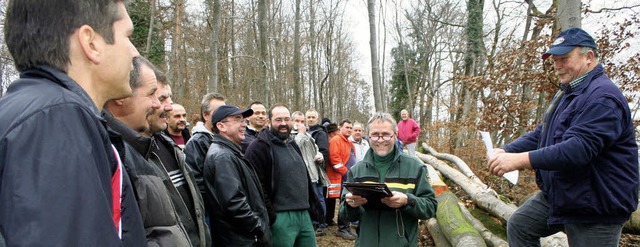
[{"x": 94, "y": 152}]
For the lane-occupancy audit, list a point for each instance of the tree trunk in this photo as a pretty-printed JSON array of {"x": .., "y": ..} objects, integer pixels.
[
  {"x": 453, "y": 223},
  {"x": 568, "y": 14},
  {"x": 264, "y": 86},
  {"x": 375, "y": 69},
  {"x": 177, "y": 45},
  {"x": 313, "y": 78},
  {"x": 297, "y": 82},
  {"x": 215, "y": 23},
  {"x": 152, "y": 20}
]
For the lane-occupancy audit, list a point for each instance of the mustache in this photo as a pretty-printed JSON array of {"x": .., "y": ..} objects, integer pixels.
[{"x": 182, "y": 122}]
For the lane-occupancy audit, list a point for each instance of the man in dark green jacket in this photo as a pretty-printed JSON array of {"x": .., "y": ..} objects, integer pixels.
[{"x": 389, "y": 221}]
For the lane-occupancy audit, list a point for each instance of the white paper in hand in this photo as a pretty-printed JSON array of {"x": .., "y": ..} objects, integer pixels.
[{"x": 511, "y": 176}]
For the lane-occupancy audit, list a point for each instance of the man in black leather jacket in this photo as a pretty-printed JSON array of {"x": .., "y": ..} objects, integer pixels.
[{"x": 238, "y": 214}]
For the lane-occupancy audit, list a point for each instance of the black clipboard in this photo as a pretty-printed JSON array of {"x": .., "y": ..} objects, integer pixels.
[{"x": 368, "y": 190}]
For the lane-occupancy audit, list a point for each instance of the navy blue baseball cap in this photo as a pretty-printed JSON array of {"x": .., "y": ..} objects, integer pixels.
[
  {"x": 569, "y": 39},
  {"x": 228, "y": 110}
]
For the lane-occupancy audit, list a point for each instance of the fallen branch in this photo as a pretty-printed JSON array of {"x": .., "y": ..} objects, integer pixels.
[
  {"x": 462, "y": 166},
  {"x": 483, "y": 197}
]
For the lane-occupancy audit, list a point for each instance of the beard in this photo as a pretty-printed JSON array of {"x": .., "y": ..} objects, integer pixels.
[{"x": 281, "y": 135}]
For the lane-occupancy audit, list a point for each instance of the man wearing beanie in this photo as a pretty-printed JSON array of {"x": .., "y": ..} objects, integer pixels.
[{"x": 584, "y": 154}]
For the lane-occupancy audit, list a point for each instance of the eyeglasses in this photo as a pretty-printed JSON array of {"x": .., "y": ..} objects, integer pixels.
[
  {"x": 383, "y": 137},
  {"x": 235, "y": 119}
]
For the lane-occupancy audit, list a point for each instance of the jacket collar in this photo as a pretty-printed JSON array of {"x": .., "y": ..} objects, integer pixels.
[
  {"x": 64, "y": 81},
  {"x": 317, "y": 127},
  {"x": 368, "y": 157},
  {"x": 268, "y": 137},
  {"x": 592, "y": 75},
  {"x": 200, "y": 128},
  {"x": 219, "y": 139}
]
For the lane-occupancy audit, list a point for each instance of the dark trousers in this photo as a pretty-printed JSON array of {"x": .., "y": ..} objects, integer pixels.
[
  {"x": 529, "y": 223},
  {"x": 331, "y": 209}
]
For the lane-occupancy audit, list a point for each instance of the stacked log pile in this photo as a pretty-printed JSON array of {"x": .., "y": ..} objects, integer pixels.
[{"x": 454, "y": 225}]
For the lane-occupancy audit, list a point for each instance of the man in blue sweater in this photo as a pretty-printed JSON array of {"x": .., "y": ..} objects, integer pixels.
[{"x": 584, "y": 154}]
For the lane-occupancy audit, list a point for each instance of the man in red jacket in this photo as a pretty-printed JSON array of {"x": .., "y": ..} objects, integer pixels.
[
  {"x": 342, "y": 157},
  {"x": 408, "y": 131}
]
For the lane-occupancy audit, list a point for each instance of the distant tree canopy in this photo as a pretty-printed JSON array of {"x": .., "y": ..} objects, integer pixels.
[
  {"x": 403, "y": 77},
  {"x": 140, "y": 12}
]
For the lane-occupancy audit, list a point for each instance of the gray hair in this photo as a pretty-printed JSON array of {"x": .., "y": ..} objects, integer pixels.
[
  {"x": 206, "y": 99},
  {"x": 584, "y": 50},
  {"x": 383, "y": 117},
  {"x": 296, "y": 113}
]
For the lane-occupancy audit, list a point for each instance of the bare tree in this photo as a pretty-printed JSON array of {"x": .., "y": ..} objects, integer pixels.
[
  {"x": 215, "y": 29},
  {"x": 375, "y": 67},
  {"x": 262, "y": 29},
  {"x": 297, "y": 82}
]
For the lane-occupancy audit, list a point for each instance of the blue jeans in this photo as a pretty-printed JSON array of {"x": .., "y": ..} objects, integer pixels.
[
  {"x": 319, "y": 189},
  {"x": 529, "y": 223}
]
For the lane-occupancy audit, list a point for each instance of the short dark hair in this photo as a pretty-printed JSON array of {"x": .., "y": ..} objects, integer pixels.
[
  {"x": 254, "y": 103},
  {"x": 37, "y": 32},
  {"x": 206, "y": 99},
  {"x": 344, "y": 121},
  {"x": 135, "y": 79},
  {"x": 134, "y": 75},
  {"x": 275, "y": 106}
]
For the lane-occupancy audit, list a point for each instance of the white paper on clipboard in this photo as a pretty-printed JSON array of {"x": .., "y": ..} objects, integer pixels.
[{"x": 511, "y": 176}]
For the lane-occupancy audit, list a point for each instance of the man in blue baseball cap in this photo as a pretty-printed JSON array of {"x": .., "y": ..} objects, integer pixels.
[{"x": 584, "y": 154}]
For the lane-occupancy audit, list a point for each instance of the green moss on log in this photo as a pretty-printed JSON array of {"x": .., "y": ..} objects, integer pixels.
[
  {"x": 453, "y": 223},
  {"x": 494, "y": 225}
]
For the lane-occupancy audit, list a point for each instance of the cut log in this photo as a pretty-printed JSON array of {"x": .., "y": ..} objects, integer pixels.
[
  {"x": 453, "y": 224},
  {"x": 491, "y": 239},
  {"x": 436, "y": 233},
  {"x": 435, "y": 179}
]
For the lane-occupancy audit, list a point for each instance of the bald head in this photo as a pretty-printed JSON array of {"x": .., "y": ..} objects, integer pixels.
[{"x": 177, "y": 120}]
